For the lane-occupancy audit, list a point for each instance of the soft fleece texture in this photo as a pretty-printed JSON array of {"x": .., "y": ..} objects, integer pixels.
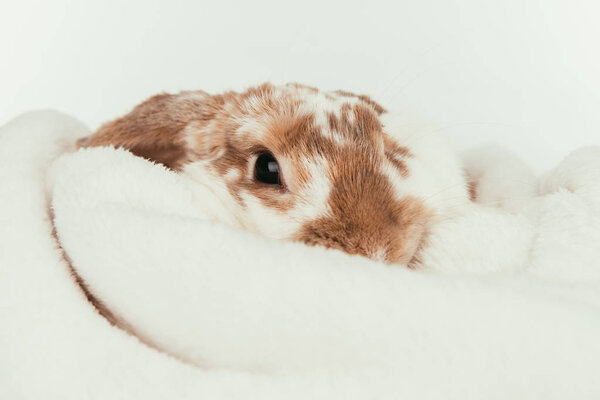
[{"x": 508, "y": 305}]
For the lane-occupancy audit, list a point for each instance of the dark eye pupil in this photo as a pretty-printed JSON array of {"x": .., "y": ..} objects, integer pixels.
[{"x": 267, "y": 170}]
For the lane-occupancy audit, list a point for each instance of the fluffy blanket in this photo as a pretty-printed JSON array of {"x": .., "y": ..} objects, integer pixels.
[{"x": 506, "y": 304}]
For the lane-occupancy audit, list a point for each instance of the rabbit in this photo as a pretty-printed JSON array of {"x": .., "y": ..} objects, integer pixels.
[{"x": 292, "y": 162}]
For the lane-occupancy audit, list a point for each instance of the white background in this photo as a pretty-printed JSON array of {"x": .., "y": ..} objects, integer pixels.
[{"x": 523, "y": 73}]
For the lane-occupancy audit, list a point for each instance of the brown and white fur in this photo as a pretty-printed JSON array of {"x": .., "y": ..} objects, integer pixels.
[{"x": 351, "y": 177}]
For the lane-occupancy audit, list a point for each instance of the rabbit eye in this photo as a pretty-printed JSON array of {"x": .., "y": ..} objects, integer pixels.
[{"x": 266, "y": 169}]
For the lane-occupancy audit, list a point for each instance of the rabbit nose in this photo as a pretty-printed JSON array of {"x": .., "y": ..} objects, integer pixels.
[
  {"x": 394, "y": 242},
  {"x": 378, "y": 255},
  {"x": 383, "y": 255},
  {"x": 388, "y": 233},
  {"x": 401, "y": 250}
]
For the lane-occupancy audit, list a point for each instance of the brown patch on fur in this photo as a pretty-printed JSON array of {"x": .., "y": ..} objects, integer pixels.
[
  {"x": 234, "y": 191},
  {"x": 395, "y": 149},
  {"x": 395, "y": 154},
  {"x": 366, "y": 124},
  {"x": 378, "y": 109},
  {"x": 308, "y": 88},
  {"x": 356, "y": 123},
  {"x": 472, "y": 186},
  {"x": 344, "y": 93},
  {"x": 398, "y": 164}
]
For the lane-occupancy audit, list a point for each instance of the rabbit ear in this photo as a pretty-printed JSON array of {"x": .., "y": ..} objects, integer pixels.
[{"x": 156, "y": 129}]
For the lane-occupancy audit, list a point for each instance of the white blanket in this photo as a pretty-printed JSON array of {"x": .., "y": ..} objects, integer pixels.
[{"x": 507, "y": 304}]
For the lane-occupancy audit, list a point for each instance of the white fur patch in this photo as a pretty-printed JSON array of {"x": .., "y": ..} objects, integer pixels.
[
  {"x": 316, "y": 194},
  {"x": 434, "y": 172},
  {"x": 232, "y": 175},
  {"x": 267, "y": 221}
]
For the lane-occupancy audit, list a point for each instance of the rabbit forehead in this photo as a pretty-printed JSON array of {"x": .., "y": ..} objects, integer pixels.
[
  {"x": 298, "y": 122},
  {"x": 295, "y": 119},
  {"x": 306, "y": 129}
]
